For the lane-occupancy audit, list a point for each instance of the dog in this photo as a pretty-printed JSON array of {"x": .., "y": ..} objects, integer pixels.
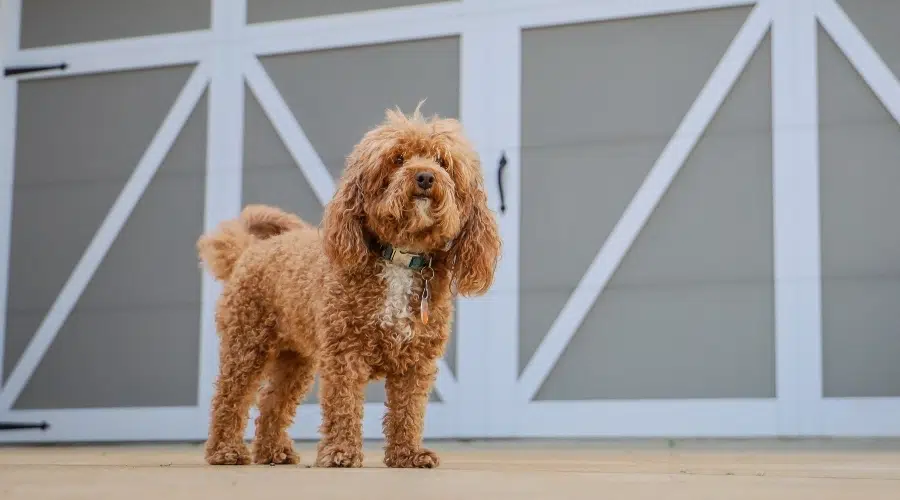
[{"x": 366, "y": 295}]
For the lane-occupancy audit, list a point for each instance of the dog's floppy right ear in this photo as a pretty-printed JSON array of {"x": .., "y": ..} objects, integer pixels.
[{"x": 343, "y": 239}]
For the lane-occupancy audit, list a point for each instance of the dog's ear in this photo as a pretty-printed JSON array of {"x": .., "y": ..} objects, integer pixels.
[
  {"x": 343, "y": 239},
  {"x": 476, "y": 249}
]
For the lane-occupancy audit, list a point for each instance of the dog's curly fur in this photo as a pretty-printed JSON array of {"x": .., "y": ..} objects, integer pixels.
[{"x": 297, "y": 300}]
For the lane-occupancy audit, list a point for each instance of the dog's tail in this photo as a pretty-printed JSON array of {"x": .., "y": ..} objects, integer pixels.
[{"x": 221, "y": 248}]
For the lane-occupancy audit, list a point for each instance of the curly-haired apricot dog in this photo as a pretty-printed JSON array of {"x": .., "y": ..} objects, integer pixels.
[{"x": 370, "y": 297}]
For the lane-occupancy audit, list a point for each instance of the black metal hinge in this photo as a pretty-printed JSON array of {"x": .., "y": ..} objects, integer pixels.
[
  {"x": 17, "y": 426},
  {"x": 22, "y": 70}
]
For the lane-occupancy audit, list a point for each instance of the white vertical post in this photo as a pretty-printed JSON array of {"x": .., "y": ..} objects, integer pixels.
[
  {"x": 10, "y": 13},
  {"x": 224, "y": 163},
  {"x": 798, "y": 323},
  {"x": 473, "y": 327},
  {"x": 505, "y": 61}
]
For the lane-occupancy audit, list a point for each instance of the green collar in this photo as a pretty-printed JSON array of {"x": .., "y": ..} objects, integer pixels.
[{"x": 414, "y": 261}]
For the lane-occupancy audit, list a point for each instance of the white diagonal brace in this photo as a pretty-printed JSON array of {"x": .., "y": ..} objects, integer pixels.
[
  {"x": 8, "y": 94},
  {"x": 292, "y": 135},
  {"x": 312, "y": 167},
  {"x": 645, "y": 200},
  {"x": 105, "y": 235},
  {"x": 862, "y": 56}
]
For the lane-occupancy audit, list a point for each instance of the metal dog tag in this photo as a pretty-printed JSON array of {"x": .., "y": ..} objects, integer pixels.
[{"x": 427, "y": 275}]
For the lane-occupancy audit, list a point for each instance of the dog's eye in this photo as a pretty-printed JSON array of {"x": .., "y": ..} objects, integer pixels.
[
  {"x": 398, "y": 160},
  {"x": 441, "y": 161}
]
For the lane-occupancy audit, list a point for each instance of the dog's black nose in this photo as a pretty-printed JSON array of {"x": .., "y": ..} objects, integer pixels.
[{"x": 425, "y": 180}]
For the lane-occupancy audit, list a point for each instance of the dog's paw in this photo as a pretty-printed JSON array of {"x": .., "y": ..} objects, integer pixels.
[
  {"x": 276, "y": 455},
  {"x": 338, "y": 456},
  {"x": 228, "y": 454},
  {"x": 416, "y": 459}
]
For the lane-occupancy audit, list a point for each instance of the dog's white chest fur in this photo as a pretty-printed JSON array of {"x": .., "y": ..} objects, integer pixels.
[{"x": 396, "y": 315}]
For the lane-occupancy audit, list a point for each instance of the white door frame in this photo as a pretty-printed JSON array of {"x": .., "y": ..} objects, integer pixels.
[
  {"x": 226, "y": 57},
  {"x": 798, "y": 408}
]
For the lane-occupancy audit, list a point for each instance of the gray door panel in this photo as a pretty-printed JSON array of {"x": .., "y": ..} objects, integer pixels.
[
  {"x": 58, "y": 22},
  {"x": 689, "y": 312},
  {"x": 877, "y": 19},
  {"x": 133, "y": 337},
  {"x": 73, "y": 156},
  {"x": 270, "y": 174},
  {"x": 860, "y": 197},
  {"x": 260, "y": 11}
]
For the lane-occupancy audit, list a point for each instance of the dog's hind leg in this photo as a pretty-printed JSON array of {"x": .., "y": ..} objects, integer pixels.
[
  {"x": 290, "y": 376},
  {"x": 244, "y": 351}
]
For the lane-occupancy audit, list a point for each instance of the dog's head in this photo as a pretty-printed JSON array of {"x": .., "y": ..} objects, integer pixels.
[{"x": 416, "y": 184}]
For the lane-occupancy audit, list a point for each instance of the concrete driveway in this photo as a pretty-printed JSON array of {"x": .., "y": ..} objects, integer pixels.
[{"x": 695, "y": 470}]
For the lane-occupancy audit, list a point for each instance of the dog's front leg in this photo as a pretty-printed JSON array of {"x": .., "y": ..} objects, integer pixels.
[
  {"x": 404, "y": 423},
  {"x": 342, "y": 395}
]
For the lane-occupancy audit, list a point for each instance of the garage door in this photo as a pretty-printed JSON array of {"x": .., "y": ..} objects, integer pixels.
[
  {"x": 694, "y": 244},
  {"x": 642, "y": 188},
  {"x": 127, "y": 130}
]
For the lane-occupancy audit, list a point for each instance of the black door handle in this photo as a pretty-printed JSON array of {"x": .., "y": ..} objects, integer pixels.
[
  {"x": 21, "y": 70},
  {"x": 500, "y": 167}
]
